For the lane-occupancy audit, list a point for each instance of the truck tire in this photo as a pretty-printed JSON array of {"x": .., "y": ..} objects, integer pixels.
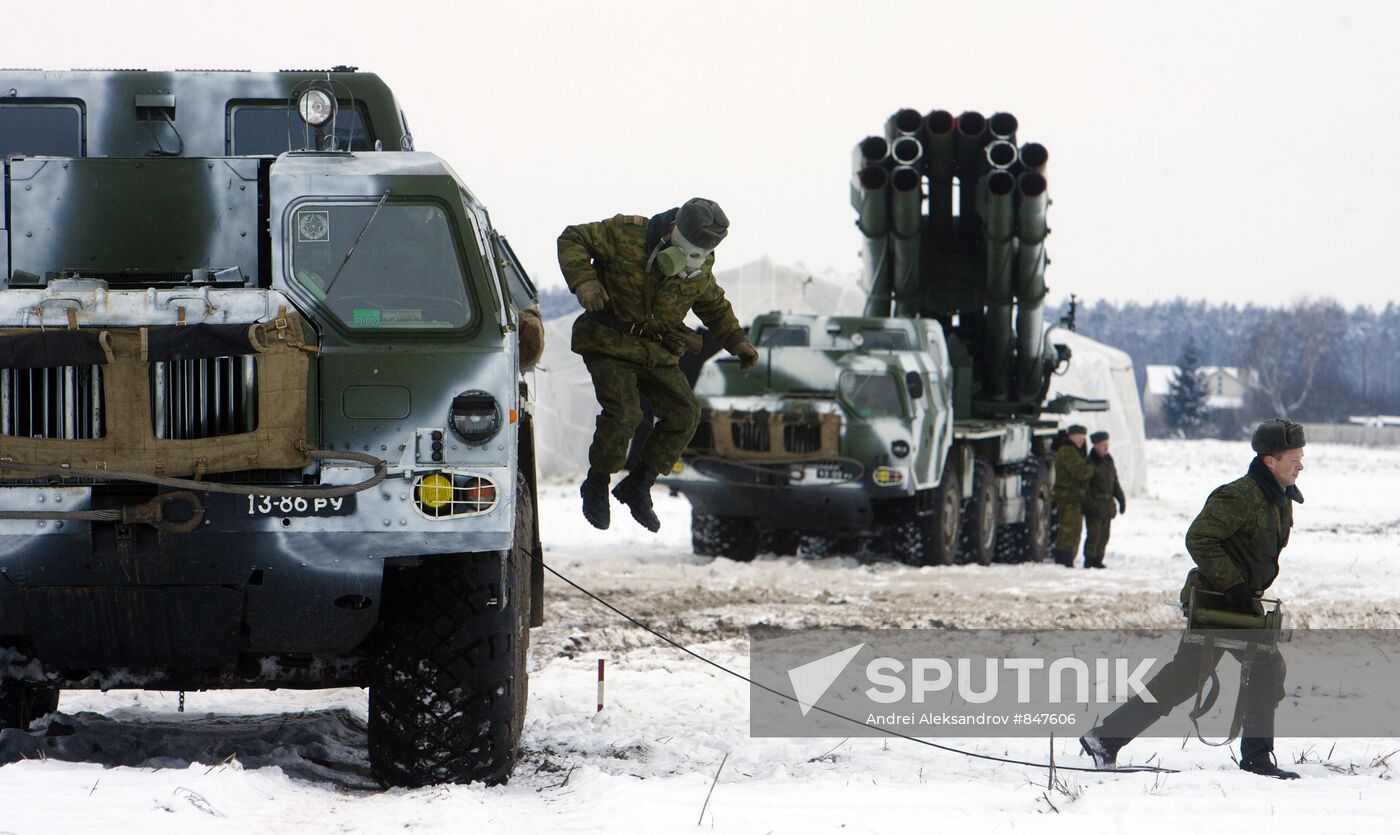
[
  {"x": 1031, "y": 538},
  {"x": 447, "y": 700},
  {"x": 21, "y": 704},
  {"x": 930, "y": 537},
  {"x": 817, "y": 546},
  {"x": 979, "y": 539},
  {"x": 735, "y": 537}
]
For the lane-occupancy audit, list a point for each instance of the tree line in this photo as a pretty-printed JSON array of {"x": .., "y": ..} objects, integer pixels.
[{"x": 1314, "y": 359}]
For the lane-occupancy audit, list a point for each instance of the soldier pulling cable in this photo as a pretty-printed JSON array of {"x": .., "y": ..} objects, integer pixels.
[
  {"x": 636, "y": 279},
  {"x": 1235, "y": 541}
]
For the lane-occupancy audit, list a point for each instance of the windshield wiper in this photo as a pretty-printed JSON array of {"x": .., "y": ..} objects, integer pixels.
[{"x": 356, "y": 242}]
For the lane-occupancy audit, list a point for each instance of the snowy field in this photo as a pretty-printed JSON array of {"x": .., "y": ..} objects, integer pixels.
[{"x": 295, "y": 762}]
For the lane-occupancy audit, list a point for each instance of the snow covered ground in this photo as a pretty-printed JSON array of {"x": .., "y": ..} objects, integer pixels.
[{"x": 287, "y": 761}]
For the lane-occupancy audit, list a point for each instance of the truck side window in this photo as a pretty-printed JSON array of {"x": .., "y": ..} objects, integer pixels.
[
  {"x": 270, "y": 128},
  {"x": 887, "y": 339},
  {"x": 49, "y": 129},
  {"x": 389, "y": 266},
  {"x": 784, "y": 336}
]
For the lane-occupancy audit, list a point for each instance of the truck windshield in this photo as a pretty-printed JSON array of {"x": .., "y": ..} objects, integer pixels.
[
  {"x": 871, "y": 395},
  {"x": 381, "y": 266}
]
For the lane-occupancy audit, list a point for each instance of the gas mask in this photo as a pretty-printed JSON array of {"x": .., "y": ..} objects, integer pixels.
[{"x": 681, "y": 257}]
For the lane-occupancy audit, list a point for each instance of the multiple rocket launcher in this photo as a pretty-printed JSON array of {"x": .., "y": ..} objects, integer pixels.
[{"x": 975, "y": 265}]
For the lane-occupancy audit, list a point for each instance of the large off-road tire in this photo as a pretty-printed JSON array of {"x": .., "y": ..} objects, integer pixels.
[
  {"x": 979, "y": 535},
  {"x": 735, "y": 537},
  {"x": 816, "y": 546},
  {"x": 21, "y": 704},
  {"x": 448, "y": 699},
  {"x": 929, "y": 536},
  {"x": 1029, "y": 541}
]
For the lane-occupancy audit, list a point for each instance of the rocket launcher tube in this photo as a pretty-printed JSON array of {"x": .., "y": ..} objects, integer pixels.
[
  {"x": 1034, "y": 157},
  {"x": 872, "y": 150},
  {"x": 998, "y": 188},
  {"x": 970, "y": 137},
  {"x": 937, "y": 139},
  {"x": 903, "y": 122},
  {"x": 1030, "y": 283},
  {"x": 870, "y": 195},
  {"x": 906, "y": 199},
  {"x": 1003, "y": 126},
  {"x": 1001, "y": 154}
]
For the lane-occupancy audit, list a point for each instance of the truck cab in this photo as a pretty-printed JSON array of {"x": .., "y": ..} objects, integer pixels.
[{"x": 263, "y": 410}]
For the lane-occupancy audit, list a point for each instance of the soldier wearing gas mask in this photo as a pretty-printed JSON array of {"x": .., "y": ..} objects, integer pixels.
[{"x": 636, "y": 279}]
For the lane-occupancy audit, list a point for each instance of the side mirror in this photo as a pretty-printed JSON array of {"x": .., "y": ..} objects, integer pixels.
[{"x": 915, "y": 384}]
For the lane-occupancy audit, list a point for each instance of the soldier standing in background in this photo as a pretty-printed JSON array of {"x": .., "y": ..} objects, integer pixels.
[
  {"x": 1072, "y": 473},
  {"x": 1099, "y": 508},
  {"x": 636, "y": 279},
  {"x": 1235, "y": 541}
]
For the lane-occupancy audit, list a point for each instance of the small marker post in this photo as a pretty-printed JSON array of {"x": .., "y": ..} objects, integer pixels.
[{"x": 600, "y": 685}]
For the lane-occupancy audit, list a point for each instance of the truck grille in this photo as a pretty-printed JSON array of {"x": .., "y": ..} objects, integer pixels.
[
  {"x": 751, "y": 437},
  {"x": 204, "y": 398},
  {"x": 63, "y": 402},
  {"x": 803, "y": 438}
]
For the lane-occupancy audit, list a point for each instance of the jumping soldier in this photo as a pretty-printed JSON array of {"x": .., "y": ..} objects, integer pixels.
[
  {"x": 1072, "y": 473},
  {"x": 636, "y": 279},
  {"x": 1235, "y": 542},
  {"x": 1105, "y": 500}
]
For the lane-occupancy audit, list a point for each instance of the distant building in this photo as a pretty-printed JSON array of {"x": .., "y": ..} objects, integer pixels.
[{"x": 1228, "y": 387}]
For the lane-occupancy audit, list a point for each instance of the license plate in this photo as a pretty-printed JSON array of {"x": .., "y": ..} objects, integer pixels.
[
  {"x": 285, "y": 506},
  {"x": 832, "y": 473}
]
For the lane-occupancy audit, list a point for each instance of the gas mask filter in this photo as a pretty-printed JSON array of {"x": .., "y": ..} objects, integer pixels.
[{"x": 681, "y": 258}]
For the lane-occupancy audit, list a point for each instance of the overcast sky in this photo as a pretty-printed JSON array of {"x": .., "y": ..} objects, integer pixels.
[{"x": 1240, "y": 151}]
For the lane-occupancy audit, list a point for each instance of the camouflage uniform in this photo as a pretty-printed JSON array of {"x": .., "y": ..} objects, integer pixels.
[
  {"x": 625, "y": 366},
  {"x": 1235, "y": 539},
  {"x": 1105, "y": 495},
  {"x": 1072, "y": 473}
]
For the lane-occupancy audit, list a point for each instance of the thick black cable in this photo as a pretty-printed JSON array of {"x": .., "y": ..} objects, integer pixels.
[{"x": 1130, "y": 769}]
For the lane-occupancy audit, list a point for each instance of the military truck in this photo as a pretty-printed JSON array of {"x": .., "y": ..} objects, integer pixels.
[
  {"x": 921, "y": 425},
  {"x": 264, "y": 420}
]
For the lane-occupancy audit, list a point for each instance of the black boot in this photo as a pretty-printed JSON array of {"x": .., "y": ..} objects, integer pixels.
[
  {"x": 1094, "y": 563},
  {"x": 595, "y": 499},
  {"x": 1104, "y": 752},
  {"x": 1264, "y": 766},
  {"x": 1065, "y": 558},
  {"x": 635, "y": 492}
]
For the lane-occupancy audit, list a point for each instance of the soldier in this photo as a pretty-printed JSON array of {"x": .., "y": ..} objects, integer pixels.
[
  {"x": 1072, "y": 472},
  {"x": 636, "y": 279},
  {"x": 1235, "y": 542},
  {"x": 1099, "y": 510}
]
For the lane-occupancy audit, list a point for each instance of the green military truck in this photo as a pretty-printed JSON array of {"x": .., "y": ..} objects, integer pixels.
[
  {"x": 264, "y": 417},
  {"x": 923, "y": 425}
]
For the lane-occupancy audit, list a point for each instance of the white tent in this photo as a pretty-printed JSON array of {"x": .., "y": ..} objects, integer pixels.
[
  {"x": 1099, "y": 372},
  {"x": 565, "y": 406}
]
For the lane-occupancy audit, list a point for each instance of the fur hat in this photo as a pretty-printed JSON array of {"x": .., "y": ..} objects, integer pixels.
[{"x": 1277, "y": 435}]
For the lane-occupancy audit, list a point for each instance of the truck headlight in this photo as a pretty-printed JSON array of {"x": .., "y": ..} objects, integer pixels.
[
  {"x": 475, "y": 417},
  {"x": 453, "y": 494},
  {"x": 888, "y": 476},
  {"x": 316, "y": 107},
  {"x": 899, "y": 448}
]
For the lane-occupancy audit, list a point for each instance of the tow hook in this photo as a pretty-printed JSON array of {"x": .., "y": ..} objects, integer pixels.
[{"x": 175, "y": 512}]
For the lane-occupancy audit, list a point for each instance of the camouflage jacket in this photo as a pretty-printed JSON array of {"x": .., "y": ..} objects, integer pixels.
[
  {"x": 615, "y": 252},
  {"x": 1104, "y": 491},
  {"x": 1239, "y": 533},
  {"x": 1072, "y": 473}
]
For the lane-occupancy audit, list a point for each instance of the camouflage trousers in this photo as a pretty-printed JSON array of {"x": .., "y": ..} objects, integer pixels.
[
  {"x": 1184, "y": 676},
  {"x": 1096, "y": 538},
  {"x": 1071, "y": 525},
  {"x": 619, "y": 386}
]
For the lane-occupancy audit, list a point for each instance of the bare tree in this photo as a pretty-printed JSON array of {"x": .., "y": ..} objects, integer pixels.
[{"x": 1292, "y": 348}]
